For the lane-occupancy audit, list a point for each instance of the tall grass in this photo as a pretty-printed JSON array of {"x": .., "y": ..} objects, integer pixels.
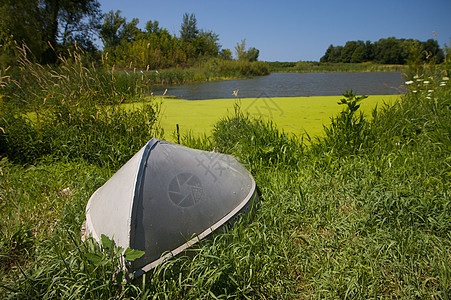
[
  {"x": 363, "y": 212},
  {"x": 310, "y": 67},
  {"x": 72, "y": 110},
  {"x": 206, "y": 69}
]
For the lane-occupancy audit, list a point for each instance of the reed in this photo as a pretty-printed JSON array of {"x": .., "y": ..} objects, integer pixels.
[{"x": 311, "y": 67}]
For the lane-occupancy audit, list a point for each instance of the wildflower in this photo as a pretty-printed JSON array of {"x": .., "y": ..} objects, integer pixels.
[
  {"x": 408, "y": 82},
  {"x": 445, "y": 78},
  {"x": 442, "y": 83},
  {"x": 429, "y": 98},
  {"x": 415, "y": 77},
  {"x": 414, "y": 91},
  {"x": 430, "y": 91},
  {"x": 426, "y": 82}
]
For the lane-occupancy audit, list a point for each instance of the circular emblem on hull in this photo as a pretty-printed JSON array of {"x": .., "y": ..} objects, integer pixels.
[{"x": 185, "y": 190}]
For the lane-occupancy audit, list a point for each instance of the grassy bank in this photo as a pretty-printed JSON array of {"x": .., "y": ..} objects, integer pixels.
[
  {"x": 296, "y": 115},
  {"x": 310, "y": 67},
  {"x": 361, "y": 212}
]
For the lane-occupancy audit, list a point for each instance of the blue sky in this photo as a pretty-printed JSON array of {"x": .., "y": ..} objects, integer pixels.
[{"x": 297, "y": 30}]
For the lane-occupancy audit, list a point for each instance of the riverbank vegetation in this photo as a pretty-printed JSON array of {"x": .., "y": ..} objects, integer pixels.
[
  {"x": 56, "y": 29},
  {"x": 313, "y": 66},
  {"x": 362, "y": 211}
]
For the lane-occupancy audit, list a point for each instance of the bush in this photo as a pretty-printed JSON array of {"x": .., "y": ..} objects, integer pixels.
[{"x": 75, "y": 111}]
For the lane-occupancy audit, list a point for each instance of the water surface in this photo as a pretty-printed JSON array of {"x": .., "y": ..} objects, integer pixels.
[{"x": 293, "y": 85}]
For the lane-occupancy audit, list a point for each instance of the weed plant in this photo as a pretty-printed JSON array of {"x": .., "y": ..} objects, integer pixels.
[
  {"x": 256, "y": 141},
  {"x": 362, "y": 213},
  {"x": 348, "y": 132}
]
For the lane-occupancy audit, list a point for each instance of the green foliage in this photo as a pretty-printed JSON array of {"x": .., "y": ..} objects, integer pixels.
[
  {"x": 385, "y": 51},
  {"x": 125, "y": 45},
  {"x": 113, "y": 29},
  {"x": 348, "y": 132},
  {"x": 225, "y": 54},
  {"x": 92, "y": 270},
  {"x": 242, "y": 54},
  {"x": 74, "y": 111},
  {"x": 49, "y": 26},
  {"x": 361, "y": 220},
  {"x": 110, "y": 255},
  {"x": 310, "y": 67},
  {"x": 254, "y": 140},
  {"x": 189, "y": 31}
]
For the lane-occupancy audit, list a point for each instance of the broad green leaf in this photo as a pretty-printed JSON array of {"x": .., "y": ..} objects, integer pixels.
[
  {"x": 94, "y": 258},
  {"x": 107, "y": 243},
  {"x": 132, "y": 254}
]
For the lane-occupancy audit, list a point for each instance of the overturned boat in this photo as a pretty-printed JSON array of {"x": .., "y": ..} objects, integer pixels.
[{"x": 166, "y": 198}]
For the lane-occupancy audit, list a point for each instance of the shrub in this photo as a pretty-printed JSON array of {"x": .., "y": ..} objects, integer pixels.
[{"x": 74, "y": 111}]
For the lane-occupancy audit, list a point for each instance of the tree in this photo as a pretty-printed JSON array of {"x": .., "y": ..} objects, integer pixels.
[
  {"x": 360, "y": 54},
  {"x": 80, "y": 20},
  {"x": 348, "y": 50},
  {"x": 225, "y": 54},
  {"x": 389, "y": 51},
  {"x": 69, "y": 19},
  {"x": 19, "y": 24},
  {"x": 189, "y": 29},
  {"x": 432, "y": 51},
  {"x": 130, "y": 31},
  {"x": 153, "y": 27},
  {"x": 115, "y": 29},
  {"x": 332, "y": 55},
  {"x": 206, "y": 43},
  {"x": 251, "y": 54},
  {"x": 113, "y": 23},
  {"x": 46, "y": 25},
  {"x": 240, "y": 49},
  {"x": 242, "y": 54},
  {"x": 327, "y": 56}
]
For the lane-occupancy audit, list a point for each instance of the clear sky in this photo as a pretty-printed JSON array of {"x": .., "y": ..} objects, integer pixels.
[{"x": 289, "y": 30}]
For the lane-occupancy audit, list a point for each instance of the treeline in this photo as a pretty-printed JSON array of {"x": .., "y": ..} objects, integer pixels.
[
  {"x": 386, "y": 51},
  {"x": 50, "y": 29},
  {"x": 125, "y": 45}
]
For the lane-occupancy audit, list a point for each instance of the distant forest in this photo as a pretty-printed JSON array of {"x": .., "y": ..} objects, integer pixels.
[{"x": 386, "y": 51}]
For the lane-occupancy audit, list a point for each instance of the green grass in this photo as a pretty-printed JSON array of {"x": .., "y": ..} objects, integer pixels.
[
  {"x": 309, "y": 67},
  {"x": 296, "y": 115},
  {"x": 361, "y": 212}
]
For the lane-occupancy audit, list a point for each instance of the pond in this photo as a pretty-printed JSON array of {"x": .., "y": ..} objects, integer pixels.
[{"x": 293, "y": 85}]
